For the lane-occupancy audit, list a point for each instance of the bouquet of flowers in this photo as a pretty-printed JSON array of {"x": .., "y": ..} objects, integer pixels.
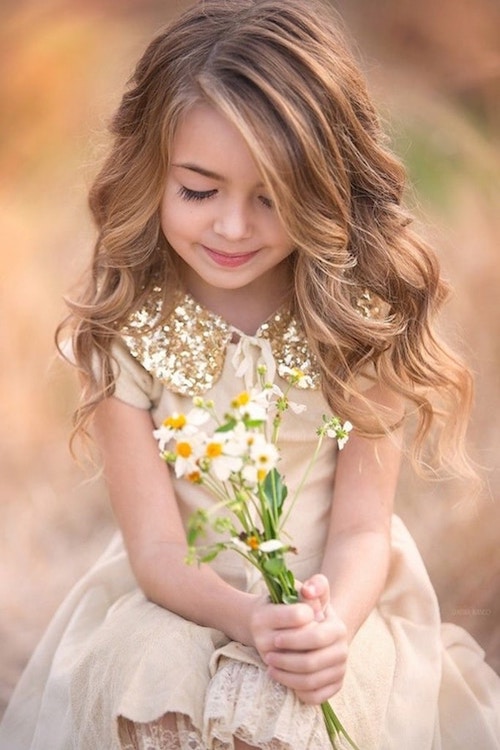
[{"x": 238, "y": 463}]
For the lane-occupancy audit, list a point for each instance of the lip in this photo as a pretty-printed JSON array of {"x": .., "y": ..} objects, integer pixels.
[{"x": 229, "y": 260}]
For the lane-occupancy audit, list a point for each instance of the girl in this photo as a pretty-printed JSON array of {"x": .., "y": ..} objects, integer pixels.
[{"x": 249, "y": 212}]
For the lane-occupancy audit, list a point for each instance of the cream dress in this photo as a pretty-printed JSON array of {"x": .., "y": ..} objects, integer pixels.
[{"x": 112, "y": 663}]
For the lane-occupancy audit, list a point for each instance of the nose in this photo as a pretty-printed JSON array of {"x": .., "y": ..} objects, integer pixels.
[{"x": 233, "y": 221}]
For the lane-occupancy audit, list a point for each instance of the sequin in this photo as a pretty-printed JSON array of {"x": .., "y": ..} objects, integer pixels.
[
  {"x": 186, "y": 350},
  {"x": 368, "y": 305}
]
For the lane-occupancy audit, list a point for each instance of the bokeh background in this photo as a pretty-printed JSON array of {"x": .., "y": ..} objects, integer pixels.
[{"x": 434, "y": 69}]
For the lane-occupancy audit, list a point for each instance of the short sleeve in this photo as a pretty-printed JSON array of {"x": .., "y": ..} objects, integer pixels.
[{"x": 133, "y": 384}]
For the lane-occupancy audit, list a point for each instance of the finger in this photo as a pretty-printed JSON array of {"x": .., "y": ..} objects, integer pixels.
[
  {"x": 314, "y": 635},
  {"x": 316, "y": 697},
  {"x": 270, "y": 619},
  {"x": 307, "y": 662},
  {"x": 310, "y": 684},
  {"x": 317, "y": 586},
  {"x": 282, "y": 616},
  {"x": 316, "y": 592}
]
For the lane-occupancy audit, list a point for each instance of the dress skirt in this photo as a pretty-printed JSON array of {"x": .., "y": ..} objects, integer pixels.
[{"x": 111, "y": 657}]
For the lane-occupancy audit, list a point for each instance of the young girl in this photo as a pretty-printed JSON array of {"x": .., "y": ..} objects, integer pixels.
[{"x": 249, "y": 213}]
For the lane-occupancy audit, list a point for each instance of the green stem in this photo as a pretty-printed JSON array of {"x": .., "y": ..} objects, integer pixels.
[
  {"x": 258, "y": 509},
  {"x": 269, "y": 523},
  {"x": 302, "y": 481},
  {"x": 225, "y": 502},
  {"x": 277, "y": 423},
  {"x": 334, "y": 727},
  {"x": 220, "y": 491},
  {"x": 290, "y": 588},
  {"x": 273, "y": 593}
]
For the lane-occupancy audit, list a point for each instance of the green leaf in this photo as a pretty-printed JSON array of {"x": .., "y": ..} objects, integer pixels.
[
  {"x": 275, "y": 491},
  {"x": 227, "y": 426},
  {"x": 252, "y": 423},
  {"x": 275, "y": 566},
  {"x": 290, "y": 579},
  {"x": 223, "y": 525},
  {"x": 211, "y": 554},
  {"x": 196, "y": 526}
]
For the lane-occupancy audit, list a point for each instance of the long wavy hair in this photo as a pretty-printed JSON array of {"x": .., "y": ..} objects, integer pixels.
[{"x": 281, "y": 71}]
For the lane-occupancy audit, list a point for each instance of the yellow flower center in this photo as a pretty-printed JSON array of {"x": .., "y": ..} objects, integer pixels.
[
  {"x": 261, "y": 474},
  {"x": 214, "y": 450},
  {"x": 253, "y": 542},
  {"x": 241, "y": 399},
  {"x": 175, "y": 421},
  {"x": 194, "y": 477},
  {"x": 183, "y": 450}
]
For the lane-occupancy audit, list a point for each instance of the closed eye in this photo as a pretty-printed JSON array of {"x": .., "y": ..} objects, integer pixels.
[
  {"x": 267, "y": 202},
  {"x": 195, "y": 195}
]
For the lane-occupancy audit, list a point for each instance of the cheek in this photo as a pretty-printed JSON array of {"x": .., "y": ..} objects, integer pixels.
[
  {"x": 173, "y": 216},
  {"x": 279, "y": 234},
  {"x": 282, "y": 240},
  {"x": 180, "y": 218},
  {"x": 166, "y": 203},
  {"x": 166, "y": 220}
]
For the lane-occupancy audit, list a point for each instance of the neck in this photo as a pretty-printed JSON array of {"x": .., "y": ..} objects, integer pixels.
[
  {"x": 247, "y": 316},
  {"x": 244, "y": 308}
]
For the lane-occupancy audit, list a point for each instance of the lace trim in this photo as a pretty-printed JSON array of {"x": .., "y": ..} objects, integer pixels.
[
  {"x": 244, "y": 702},
  {"x": 171, "y": 732}
]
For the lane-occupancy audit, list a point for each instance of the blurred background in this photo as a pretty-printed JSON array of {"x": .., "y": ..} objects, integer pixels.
[{"x": 434, "y": 69}]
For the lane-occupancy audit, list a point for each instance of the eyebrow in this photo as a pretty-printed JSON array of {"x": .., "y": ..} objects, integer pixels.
[
  {"x": 205, "y": 172},
  {"x": 200, "y": 170}
]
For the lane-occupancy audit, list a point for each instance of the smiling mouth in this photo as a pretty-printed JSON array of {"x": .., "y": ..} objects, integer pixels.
[{"x": 229, "y": 260}]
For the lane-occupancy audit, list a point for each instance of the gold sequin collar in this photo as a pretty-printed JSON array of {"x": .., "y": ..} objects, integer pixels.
[{"x": 186, "y": 350}]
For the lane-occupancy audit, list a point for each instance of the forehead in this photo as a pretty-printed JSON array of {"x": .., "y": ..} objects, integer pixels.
[
  {"x": 206, "y": 136},
  {"x": 204, "y": 129}
]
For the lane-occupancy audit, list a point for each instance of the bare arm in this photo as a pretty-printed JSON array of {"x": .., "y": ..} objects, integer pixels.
[
  {"x": 357, "y": 553},
  {"x": 358, "y": 549},
  {"x": 144, "y": 504}
]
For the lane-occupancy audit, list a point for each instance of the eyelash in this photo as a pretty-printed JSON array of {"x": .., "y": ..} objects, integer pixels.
[
  {"x": 202, "y": 195},
  {"x": 266, "y": 202},
  {"x": 195, "y": 195}
]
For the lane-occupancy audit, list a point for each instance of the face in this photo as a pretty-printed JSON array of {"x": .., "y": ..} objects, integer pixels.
[{"x": 217, "y": 213}]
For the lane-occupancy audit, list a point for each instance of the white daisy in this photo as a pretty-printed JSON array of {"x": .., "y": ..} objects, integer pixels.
[
  {"x": 222, "y": 457},
  {"x": 179, "y": 424}
]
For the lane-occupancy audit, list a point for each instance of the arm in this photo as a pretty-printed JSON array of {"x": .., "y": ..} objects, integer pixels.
[
  {"x": 144, "y": 504},
  {"x": 358, "y": 548},
  {"x": 308, "y": 651}
]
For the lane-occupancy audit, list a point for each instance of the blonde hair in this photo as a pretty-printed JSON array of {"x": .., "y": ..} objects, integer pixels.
[{"x": 281, "y": 71}]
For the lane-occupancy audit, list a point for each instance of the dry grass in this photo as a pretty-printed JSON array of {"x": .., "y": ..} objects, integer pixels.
[{"x": 62, "y": 68}]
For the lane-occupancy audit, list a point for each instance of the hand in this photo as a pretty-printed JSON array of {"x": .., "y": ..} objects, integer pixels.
[{"x": 304, "y": 644}]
